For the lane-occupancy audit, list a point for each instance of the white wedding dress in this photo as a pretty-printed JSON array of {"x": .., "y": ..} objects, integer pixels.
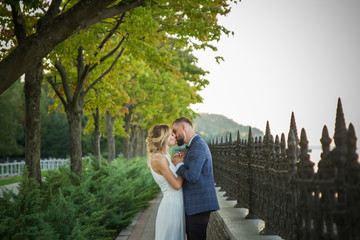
[{"x": 170, "y": 219}]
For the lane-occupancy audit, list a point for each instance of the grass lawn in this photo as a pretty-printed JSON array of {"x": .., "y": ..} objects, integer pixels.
[
  {"x": 10, "y": 180},
  {"x": 18, "y": 179}
]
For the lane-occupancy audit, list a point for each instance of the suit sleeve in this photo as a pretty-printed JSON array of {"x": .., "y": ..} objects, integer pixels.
[{"x": 191, "y": 170}]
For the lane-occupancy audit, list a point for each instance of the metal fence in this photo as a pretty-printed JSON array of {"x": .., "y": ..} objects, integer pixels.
[
  {"x": 13, "y": 169},
  {"x": 277, "y": 183}
]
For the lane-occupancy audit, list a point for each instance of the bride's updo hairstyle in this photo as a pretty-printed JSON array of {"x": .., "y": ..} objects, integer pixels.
[{"x": 158, "y": 135}]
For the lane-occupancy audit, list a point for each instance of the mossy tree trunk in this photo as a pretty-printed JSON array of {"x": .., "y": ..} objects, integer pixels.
[
  {"x": 32, "y": 89},
  {"x": 109, "y": 124},
  {"x": 97, "y": 134}
]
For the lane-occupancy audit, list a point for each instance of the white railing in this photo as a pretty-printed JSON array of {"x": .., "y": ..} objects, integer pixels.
[{"x": 13, "y": 169}]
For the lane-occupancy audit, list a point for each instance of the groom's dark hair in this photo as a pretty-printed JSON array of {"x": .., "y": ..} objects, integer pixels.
[{"x": 183, "y": 120}]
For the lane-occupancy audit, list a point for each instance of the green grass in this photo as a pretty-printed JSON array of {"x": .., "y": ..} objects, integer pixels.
[
  {"x": 18, "y": 178},
  {"x": 10, "y": 180}
]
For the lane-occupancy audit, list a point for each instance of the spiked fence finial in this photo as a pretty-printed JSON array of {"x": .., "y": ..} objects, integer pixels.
[
  {"x": 291, "y": 154},
  {"x": 293, "y": 127},
  {"x": 267, "y": 132},
  {"x": 340, "y": 127},
  {"x": 325, "y": 140},
  {"x": 250, "y": 137}
]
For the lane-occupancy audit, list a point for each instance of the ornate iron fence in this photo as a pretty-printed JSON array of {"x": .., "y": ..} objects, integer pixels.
[{"x": 277, "y": 183}]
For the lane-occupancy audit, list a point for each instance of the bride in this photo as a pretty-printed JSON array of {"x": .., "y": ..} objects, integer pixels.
[{"x": 170, "y": 219}]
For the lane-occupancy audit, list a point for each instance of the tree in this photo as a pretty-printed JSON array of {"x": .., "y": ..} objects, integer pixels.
[
  {"x": 109, "y": 100},
  {"x": 32, "y": 88},
  {"x": 160, "y": 96},
  {"x": 30, "y": 36},
  {"x": 192, "y": 24},
  {"x": 80, "y": 78},
  {"x": 53, "y": 27},
  {"x": 142, "y": 32}
]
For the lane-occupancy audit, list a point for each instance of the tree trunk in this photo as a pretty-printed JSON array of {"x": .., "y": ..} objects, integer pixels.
[
  {"x": 74, "y": 116},
  {"x": 109, "y": 123},
  {"x": 32, "y": 89},
  {"x": 127, "y": 140},
  {"x": 135, "y": 144},
  {"x": 139, "y": 141},
  {"x": 97, "y": 134},
  {"x": 143, "y": 142},
  {"x": 129, "y": 145}
]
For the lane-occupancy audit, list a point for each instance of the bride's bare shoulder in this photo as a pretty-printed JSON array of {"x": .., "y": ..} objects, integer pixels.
[{"x": 158, "y": 160}]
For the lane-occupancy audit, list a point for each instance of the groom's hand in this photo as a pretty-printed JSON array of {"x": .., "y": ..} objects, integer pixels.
[{"x": 178, "y": 158}]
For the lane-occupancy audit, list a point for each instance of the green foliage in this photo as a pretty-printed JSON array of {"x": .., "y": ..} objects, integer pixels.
[
  {"x": 27, "y": 219},
  {"x": 96, "y": 206},
  {"x": 11, "y": 121},
  {"x": 211, "y": 126},
  {"x": 156, "y": 78},
  {"x": 17, "y": 179},
  {"x": 28, "y": 10},
  {"x": 54, "y": 129}
]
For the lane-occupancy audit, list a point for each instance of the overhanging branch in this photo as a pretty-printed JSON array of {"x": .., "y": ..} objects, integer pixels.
[
  {"x": 105, "y": 73},
  {"x": 109, "y": 54},
  {"x": 58, "y": 93},
  {"x": 38, "y": 45},
  {"x": 64, "y": 79}
]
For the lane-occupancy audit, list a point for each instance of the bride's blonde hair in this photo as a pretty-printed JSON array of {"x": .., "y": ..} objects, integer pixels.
[{"x": 158, "y": 135}]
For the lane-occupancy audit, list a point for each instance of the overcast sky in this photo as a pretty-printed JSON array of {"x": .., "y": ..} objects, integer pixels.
[{"x": 287, "y": 56}]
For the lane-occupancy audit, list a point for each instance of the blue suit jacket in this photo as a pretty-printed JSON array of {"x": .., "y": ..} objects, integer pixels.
[{"x": 198, "y": 186}]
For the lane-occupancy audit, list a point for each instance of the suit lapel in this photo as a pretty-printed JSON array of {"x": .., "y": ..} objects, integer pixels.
[{"x": 196, "y": 138}]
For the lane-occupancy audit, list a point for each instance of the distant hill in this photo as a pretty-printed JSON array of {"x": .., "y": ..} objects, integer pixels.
[{"x": 210, "y": 126}]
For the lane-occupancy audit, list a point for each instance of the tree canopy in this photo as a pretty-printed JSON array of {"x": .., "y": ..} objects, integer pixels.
[{"x": 51, "y": 24}]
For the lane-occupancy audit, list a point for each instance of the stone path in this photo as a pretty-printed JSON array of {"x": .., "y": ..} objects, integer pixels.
[
  {"x": 143, "y": 225},
  {"x": 13, "y": 187}
]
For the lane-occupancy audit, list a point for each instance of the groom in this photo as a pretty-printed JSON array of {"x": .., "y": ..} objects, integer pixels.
[{"x": 198, "y": 186}]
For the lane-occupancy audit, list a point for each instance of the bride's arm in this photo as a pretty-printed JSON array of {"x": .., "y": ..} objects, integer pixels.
[{"x": 161, "y": 165}]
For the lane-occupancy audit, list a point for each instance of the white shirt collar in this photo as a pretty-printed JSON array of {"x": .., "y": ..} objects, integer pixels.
[{"x": 191, "y": 139}]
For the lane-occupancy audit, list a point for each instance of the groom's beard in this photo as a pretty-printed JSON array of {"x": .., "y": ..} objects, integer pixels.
[{"x": 180, "y": 141}]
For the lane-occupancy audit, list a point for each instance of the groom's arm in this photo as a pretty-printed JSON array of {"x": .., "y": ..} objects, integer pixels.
[{"x": 192, "y": 169}]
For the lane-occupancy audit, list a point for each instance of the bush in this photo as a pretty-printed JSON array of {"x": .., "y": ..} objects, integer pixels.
[{"x": 96, "y": 206}]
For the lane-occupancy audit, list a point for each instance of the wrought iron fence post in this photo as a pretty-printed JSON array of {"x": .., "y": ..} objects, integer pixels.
[
  {"x": 267, "y": 157},
  {"x": 352, "y": 180},
  {"x": 338, "y": 157},
  {"x": 239, "y": 174},
  {"x": 326, "y": 173},
  {"x": 226, "y": 172},
  {"x": 232, "y": 170},
  {"x": 291, "y": 210},
  {"x": 250, "y": 149},
  {"x": 305, "y": 175},
  {"x": 222, "y": 164}
]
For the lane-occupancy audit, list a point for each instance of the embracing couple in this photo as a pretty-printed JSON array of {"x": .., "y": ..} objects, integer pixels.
[{"x": 186, "y": 181}]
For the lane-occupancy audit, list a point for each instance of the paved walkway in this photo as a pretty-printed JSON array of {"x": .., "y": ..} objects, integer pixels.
[
  {"x": 143, "y": 225},
  {"x": 12, "y": 187}
]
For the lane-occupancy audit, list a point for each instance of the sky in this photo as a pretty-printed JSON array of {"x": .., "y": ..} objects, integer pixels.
[{"x": 286, "y": 56}]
